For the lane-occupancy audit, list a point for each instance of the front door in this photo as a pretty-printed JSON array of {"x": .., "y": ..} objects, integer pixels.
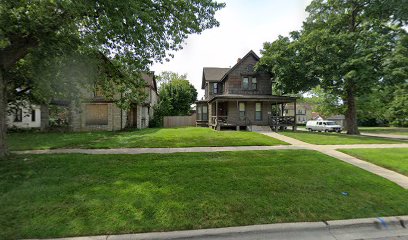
[{"x": 223, "y": 109}]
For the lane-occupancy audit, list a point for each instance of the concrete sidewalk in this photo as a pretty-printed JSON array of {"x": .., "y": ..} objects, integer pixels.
[
  {"x": 330, "y": 150},
  {"x": 367, "y": 228},
  {"x": 383, "y": 135},
  {"x": 158, "y": 150},
  {"x": 295, "y": 145}
]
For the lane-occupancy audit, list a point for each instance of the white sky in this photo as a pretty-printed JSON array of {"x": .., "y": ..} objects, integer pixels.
[{"x": 244, "y": 25}]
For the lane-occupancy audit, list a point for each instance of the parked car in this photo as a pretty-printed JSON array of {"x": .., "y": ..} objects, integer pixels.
[{"x": 323, "y": 126}]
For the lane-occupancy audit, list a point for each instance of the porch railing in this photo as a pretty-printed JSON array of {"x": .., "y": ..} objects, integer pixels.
[
  {"x": 215, "y": 120},
  {"x": 223, "y": 120},
  {"x": 282, "y": 120}
]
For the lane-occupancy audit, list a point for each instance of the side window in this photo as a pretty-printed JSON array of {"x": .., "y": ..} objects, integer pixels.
[
  {"x": 19, "y": 115},
  {"x": 205, "y": 114},
  {"x": 199, "y": 113},
  {"x": 33, "y": 115},
  {"x": 245, "y": 83},
  {"x": 241, "y": 110}
]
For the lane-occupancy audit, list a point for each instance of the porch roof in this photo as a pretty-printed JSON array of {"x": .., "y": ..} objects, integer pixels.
[{"x": 262, "y": 98}]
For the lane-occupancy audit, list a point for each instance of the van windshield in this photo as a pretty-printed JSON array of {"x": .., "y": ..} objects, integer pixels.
[{"x": 331, "y": 123}]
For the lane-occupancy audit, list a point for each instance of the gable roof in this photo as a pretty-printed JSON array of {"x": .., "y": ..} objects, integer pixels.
[
  {"x": 213, "y": 74},
  {"x": 250, "y": 53},
  {"x": 219, "y": 74},
  {"x": 150, "y": 80}
]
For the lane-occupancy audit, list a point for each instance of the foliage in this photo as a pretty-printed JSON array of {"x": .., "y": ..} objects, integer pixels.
[
  {"x": 343, "y": 47},
  {"x": 177, "y": 95},
  {"x": 40, "y": 42},
  {"x": 325, "y": 103},
  {"x": 397, "y": 112},
  {"x": 166, "y": 77}
]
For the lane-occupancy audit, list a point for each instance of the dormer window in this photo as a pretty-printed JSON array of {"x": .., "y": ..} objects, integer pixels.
[{"x": 215, "y": 88}]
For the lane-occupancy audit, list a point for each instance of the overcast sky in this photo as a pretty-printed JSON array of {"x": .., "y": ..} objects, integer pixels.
[{"x": 244, "y": 25}]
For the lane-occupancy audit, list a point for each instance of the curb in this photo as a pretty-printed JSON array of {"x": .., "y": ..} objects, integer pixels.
[
  {"x": 375, "y": 223},
  {"x": 379, "y": 223}
]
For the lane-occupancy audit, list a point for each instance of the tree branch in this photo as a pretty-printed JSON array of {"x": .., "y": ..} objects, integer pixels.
[{"x": 19, "y": 47}]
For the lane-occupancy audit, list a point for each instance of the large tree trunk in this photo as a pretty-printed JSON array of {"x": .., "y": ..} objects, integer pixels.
[
  {"x": 3, "y": 115},
  {"x": 351, "y": 113}
]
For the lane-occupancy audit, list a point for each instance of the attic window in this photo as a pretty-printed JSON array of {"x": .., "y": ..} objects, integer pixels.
[{"x": 250, "y": 68}]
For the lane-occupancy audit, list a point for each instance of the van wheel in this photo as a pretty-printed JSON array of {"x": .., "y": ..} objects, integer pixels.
[{"x": 326, "y": 131}]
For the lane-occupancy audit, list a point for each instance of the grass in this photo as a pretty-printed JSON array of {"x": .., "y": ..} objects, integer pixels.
[
  {"x": 385, "y": 130},
  {"x": 395, "y": 159},
  {"x": 71, "y": 194},
  {"x": 336, "y": 138},
  {"x": 149, "y": 138}
]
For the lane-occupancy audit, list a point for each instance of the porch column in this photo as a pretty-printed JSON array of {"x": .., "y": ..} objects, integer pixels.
[
  {"x": 216, "y": 115},
  {"x": 294, "y": 124},
  {"x": 282, "y": 109}
]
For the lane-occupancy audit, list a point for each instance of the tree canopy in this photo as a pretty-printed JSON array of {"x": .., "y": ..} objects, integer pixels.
[
  {"x": 177, "y": 95},
  {"x": 343, "y": 47},
  {"x": 55, "y": 35}
]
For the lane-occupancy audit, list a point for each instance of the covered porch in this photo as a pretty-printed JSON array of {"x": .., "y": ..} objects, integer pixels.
[{"x": 245, "y": 112}]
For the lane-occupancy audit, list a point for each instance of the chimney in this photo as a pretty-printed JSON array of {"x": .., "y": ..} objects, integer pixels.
[{"x": 239, "y": 59}]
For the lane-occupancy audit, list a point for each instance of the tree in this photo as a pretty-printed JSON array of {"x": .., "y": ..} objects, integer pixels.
[
  {"x": 342, "y": 47},
  {"x": 166, "y": 77},
  {"x": 177, "y": 95},
  {"x": 324, "y": 103},
  {"x": 135, "y": 33},
  {"x": 397, "y": 112}
]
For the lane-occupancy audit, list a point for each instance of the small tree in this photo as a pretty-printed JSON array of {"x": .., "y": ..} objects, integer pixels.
[{"x": 177, "y": 95}]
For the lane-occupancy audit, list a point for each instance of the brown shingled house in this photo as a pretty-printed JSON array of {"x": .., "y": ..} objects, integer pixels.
[{"x": 240, "y": 97}]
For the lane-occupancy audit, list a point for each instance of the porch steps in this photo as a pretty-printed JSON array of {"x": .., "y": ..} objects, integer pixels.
[{"x": 256, "y": 128}]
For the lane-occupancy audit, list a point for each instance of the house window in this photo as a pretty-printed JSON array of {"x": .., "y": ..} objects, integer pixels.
[
  {"x": 254, "y": 84},
  {"x": 96, "y": 114},
  {"x": 205, "y": 113},
  {"x": 32, "y": 115},
  {"x": 245, "y": 83},
  {"x": 215, "y": 88},
  {"x": 258, "y": 111},
  {"x": 241, "y": 110},
  {"x": 199, "y": 113},
  {"x": 19, "y": 115}
]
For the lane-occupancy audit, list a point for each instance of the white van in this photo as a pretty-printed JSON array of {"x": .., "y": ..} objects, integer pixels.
[{"x": 323, "y": 126}]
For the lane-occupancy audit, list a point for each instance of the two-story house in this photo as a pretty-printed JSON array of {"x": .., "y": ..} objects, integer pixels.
[
  {"x": 95, "y": 112},
  {"x": 303, "y": 112},
  {"x": 240, "y": 97}
]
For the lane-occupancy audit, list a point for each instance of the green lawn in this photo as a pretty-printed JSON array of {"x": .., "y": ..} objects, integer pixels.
[
  {"x": 336, "y": 138},
  {"x": 395, "y": 159},
  {"x": 385, "y": 130},
  {"x": 150, "y": 138},
  {"x": 72, "y": 194}
]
